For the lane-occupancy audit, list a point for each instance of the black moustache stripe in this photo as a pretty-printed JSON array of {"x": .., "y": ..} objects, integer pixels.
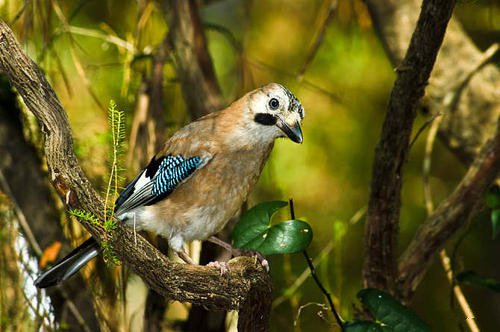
[{"x": 265, "y": 119}]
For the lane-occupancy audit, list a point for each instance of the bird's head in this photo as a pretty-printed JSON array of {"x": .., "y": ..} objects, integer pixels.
[{"x": 277, "y": 110}]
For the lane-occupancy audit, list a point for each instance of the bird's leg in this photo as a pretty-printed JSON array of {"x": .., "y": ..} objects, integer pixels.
[
  {"x": 185, "y": 257},
  {"x": 222, "y": 266},
  {"x": 221, "y": 243},
  {"x": 240, "y": 252}
]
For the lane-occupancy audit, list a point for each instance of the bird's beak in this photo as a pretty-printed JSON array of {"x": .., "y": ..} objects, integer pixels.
[{"x": 294, "y": 132}]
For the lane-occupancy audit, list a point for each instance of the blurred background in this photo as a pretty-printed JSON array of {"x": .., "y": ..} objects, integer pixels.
[{"x": 330, "y": 57}]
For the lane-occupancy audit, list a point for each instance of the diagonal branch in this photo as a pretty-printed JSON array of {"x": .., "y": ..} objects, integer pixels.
[
  {"x": 451, "y": 214},
  {"x": 392, "y": 150},
  {"x": 186, "y": 283},
  {"x": 472, "y": 121},
  {"x": 195, "y": 69}
]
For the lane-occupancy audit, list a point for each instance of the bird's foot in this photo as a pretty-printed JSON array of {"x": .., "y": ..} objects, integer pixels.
[
  {"x": 223, "y": 267},
  {"x": 241, "y": 252},
  {"x": 252, "y": 253}
]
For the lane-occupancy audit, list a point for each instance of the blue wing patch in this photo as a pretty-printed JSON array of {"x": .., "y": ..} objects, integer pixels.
[
  {"x": 172, "y": 171},
  {"x": 157, "y": 181}
]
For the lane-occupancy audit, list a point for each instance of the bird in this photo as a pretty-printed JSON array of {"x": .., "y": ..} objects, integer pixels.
[{"x": 201, "y": 177}]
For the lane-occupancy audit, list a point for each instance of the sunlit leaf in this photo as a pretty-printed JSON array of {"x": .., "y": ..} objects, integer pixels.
[
  {"x": 254, "y": 222},
  {"x": 50, "y": 254},
  {"x": 390, "y": 312},
  {"x": 495, "y": 222},
  {"x": 254, "y": 231},
  {"x": 472, "y": 278}
]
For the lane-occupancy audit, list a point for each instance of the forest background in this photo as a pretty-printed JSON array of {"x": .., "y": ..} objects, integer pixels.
[{"x": 329, "y": 54}]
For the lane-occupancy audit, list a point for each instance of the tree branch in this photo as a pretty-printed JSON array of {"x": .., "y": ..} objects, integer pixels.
[
  {"x": 467, "y": 125},
  {"x": 186, "y": 283},
  {"x": 391, "y": 153},
  {"x": 451, "y": 214},
  {"x": 195, "y": 70}
]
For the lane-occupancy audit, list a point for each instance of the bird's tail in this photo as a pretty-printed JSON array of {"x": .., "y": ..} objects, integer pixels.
[{"x": 69, "y": 265}]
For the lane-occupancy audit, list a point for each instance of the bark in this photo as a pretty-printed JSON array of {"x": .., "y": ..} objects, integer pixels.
[
  {"x": 385, "y": 198},
  {"x": 451, "y": 214},
  {"x": 195, "y": 69},
  {"x": 186, "y": 283},
  {"x": 464, "y": 88},
  {"x": 26, "y": 184},
  {"x": 461, "y": 86}
]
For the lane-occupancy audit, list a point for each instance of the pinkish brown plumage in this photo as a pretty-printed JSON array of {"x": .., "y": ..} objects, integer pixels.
[{"x": 205, "y": 171}]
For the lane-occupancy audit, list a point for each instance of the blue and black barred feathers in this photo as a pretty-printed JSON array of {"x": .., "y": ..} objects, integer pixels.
[{"x": 172, "y": 171}]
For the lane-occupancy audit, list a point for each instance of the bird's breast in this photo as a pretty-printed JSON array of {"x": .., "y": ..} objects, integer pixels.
[{"x": 201, "y": 206}]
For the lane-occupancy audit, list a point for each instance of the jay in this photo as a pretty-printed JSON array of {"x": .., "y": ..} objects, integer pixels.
[{"x": 202, "y": 176}]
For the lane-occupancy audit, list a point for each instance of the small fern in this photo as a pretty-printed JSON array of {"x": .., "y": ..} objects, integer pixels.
[
  {"x": 109, "y": 225},
  {"x": 85, "y": 215},
  {"x": 109, "y": 253},
  {"x": 116, "y": 120},
  {"x": 117, "y": 128}
]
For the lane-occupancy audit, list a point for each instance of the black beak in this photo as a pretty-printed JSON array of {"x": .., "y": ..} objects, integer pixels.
[{"x": 294, "y": 133}]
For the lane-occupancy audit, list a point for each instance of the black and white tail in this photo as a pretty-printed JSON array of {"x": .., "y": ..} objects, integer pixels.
[{"x": 69, "y": 265}]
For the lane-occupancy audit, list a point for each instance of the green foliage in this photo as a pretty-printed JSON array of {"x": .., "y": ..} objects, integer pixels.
[
  {"x": 85, "y": 215},
  {"x": 109, "y": 253},
  {"x": 116, "y": 119},
  {"x": 493, "y": 197},
  {"x": 495, "y": 222},
  {"x": 365, "y": 326},
  {"x": 493, "y": 202},
  {"x": 472, "y": 278},
  {"x": 109, "y": 225},
  {"x": 389, "y": 314},
  {"x": 255, "y": 232}
]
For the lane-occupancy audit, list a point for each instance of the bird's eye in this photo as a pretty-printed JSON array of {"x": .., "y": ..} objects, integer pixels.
[{"x": 274, "y": 103}]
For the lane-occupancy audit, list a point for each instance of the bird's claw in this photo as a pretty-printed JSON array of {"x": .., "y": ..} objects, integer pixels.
[
  {"x": 223, "y": 267},
  {"x": 255, "y": 254}
]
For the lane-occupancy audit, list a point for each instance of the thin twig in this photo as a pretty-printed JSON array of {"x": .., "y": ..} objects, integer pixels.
[
  {"x": 450, "y": 215},
  {"x": 422, "y": 128},
  {"x": 356, "y": 217},
  {"x": 332, "y": 7},
  {"x": 302, "y": 307},
  {"x": 303, "y": 276},
  {"x": 315, "y": 276},
  {"x": 76, "y": 60},
  {"x": 99, "y": 35},
  {"x": 452, "y": 99},
  {"x": 429, "y": 205}
]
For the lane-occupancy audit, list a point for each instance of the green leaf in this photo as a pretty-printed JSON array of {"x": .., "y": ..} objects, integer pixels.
[
  {"x": 493, "y": 197},
  {"x": 254, "y": 222},
  {"x": 254, "y": 231},
  {"x": 389, "y": 311},
  {"x": 365, "y": 326},
  {"x": 472, "y": 278},
  {"x": 495, "y": 222}
]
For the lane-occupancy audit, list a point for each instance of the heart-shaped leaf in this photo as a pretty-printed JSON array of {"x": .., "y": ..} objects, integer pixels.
[
  {"x": 255, "y": 232},
  {"x": 390, "y": 312}
]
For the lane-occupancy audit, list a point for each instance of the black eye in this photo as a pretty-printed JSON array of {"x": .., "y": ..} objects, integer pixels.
[{"x": 274, "y": 103}]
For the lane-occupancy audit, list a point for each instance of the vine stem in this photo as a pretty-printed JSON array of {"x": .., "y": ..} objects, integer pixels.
[{"x": 315, "y": 276}]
